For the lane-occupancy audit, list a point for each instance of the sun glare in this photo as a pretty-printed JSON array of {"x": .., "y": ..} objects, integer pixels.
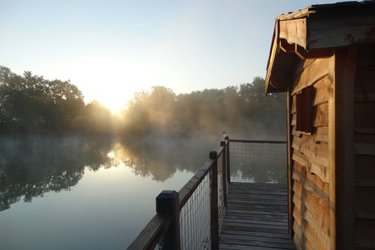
[
  {"x": 115, "y": 105},
  {"x": 116, "y": 81}
]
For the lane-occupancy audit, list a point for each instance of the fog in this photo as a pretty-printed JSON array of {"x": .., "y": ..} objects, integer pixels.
[
  {"x": 243, "y": 112},
  {"x": 34, "y": 164},
  {"x": 30, "y": 104},
  {"x": 50, "y": 136}
]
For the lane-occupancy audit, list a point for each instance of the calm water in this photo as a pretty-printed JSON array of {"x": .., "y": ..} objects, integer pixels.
[
  {"x": 90, "y": 192},
  {"x": 85, "y": 193}
]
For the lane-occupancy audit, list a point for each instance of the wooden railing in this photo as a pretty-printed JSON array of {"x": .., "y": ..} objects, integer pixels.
[
  {"x": 164, "y": 229},
  {"x": 192, "y": 217}
]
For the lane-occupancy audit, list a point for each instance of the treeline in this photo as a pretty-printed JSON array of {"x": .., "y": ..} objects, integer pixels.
[
  {"x": 240, "y": 111},
  {"x": 32, "y": 104}
]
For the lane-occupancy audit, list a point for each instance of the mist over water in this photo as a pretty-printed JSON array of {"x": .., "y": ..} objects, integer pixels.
[
  {"x": 76, "y": 176},
  {"x": 51, "y": 183},
  {"x": 54, "y": 190},
  {"x": 33, "y": 165}
]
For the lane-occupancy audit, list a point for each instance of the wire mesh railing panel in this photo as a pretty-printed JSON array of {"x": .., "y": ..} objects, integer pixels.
[
  {"x": 220, "y": 190},
  {"x": 259, "y": 162},
  {"x": 159, "y": 245},
  {"x": 195, "y": 218}
]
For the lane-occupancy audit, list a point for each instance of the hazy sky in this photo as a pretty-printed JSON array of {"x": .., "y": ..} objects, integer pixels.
[{"x": 112, "y": 49}]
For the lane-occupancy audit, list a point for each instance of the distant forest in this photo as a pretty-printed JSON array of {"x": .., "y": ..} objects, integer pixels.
[{"x": 30, "y": 104}]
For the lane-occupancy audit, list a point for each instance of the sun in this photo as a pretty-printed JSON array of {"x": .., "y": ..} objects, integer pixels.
[
  {"x": 115, "y": 105},
  {"x": 115, "y": 98},
  {"x": 112, "y": 82},
  {"x": 115, "y": 101}
]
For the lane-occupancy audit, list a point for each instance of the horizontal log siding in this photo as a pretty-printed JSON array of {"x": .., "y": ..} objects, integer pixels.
[
  {"x": 364, "y": 154},
  {"x": 311, "y": 160}
]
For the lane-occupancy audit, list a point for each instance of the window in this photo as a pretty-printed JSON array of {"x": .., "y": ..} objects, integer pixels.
[{"x": 305, "y": 110}]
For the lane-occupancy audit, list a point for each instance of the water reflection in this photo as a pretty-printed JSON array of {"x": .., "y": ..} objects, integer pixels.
[
  {"x": 31, "y": 166},
  {"x": 115, "y": 184},
  {"x": 161, "y": 157}
]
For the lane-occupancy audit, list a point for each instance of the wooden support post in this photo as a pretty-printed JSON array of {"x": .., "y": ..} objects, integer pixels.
[
  {"x": 289, "y": 163},
  {"x": 224, "y": 170},
  {"x": 214, "y": 203},
  {"x": 167, "y": 203},
  {"x": 345, "y": 76},
  {"x": 228, "y": 159}
]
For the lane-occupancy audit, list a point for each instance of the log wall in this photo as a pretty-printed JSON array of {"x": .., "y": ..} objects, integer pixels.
[
  {"x": 330, "y": 191},
  {"x": 313, "y": 218}
]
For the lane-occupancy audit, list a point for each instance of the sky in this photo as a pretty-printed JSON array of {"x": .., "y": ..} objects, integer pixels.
[{"x": 113, "y": 49}]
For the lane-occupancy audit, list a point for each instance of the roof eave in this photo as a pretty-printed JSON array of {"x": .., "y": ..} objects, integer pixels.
[{"x": 313, "y": 33}]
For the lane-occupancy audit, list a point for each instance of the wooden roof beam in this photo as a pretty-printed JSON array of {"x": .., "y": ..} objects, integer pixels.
[{"x": 292, "y": 48}]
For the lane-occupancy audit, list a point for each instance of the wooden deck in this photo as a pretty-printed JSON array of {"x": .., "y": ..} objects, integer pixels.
[{"x": 256, "y": 218}]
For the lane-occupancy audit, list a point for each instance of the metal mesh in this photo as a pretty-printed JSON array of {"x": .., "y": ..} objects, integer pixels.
[
  {"x": 258, "y": 162},
  {"x": 195, "y": 218},
  {"x": 220, "y": 190},
  {"x": 159, "y": 246}
]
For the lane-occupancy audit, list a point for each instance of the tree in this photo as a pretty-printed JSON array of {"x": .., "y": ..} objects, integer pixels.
[
  {"x": 150, "y": 111},
  {"x": 242, "y": 110},
  {"x": 29, "y": 103},
  {"x": 96, "y": 119}
]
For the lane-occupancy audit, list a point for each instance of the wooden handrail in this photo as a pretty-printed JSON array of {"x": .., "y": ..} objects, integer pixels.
[
  {"x": 163, "y": 223},
  {"x": 189, "y": 188},
  {"x": 160, "y": 225},
  {"x": 257, "y": 141},
  {"x": 149, "y": 237}
]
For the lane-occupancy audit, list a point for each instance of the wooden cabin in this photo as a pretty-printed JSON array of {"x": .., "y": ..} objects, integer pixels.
[{"x": 323, "y": 58}]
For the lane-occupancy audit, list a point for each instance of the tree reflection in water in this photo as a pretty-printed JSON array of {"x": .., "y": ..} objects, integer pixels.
[
  {"x": 161, "y": 156},
  {"x": 33, "y": 165}
]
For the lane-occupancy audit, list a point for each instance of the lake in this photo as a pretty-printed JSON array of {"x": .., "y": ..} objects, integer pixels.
[
  {"x": 69, "y": 192},
  {"x": 85, "y": 192}
]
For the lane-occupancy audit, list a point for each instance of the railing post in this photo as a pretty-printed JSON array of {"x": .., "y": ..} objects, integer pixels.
[
  {"x": 167, "y": 203},
  {"x": 228, "y": 158},
  {"x": 214, "y": 204},
  {"x": 224, "y": 170}
]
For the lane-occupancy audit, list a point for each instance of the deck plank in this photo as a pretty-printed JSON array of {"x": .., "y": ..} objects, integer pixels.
[{"x": 256, "y": 218}]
